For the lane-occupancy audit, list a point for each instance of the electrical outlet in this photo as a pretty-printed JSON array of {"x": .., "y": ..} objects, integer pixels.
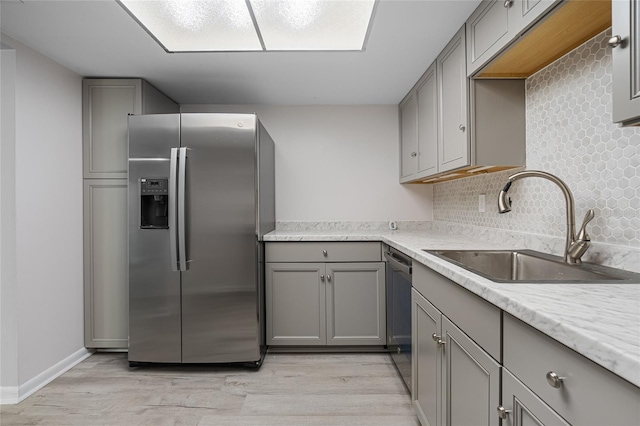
[{"x": 482, "y": 203}]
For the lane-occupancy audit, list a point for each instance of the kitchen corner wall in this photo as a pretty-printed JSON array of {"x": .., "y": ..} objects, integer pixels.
[
  {"x": 337, "y": 163},
  {"x": 570, "y": 133},
  {"x": 43, "y": 200}
]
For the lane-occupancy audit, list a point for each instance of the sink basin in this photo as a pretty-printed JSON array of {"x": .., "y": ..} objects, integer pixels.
[{"x": 512, "y": 266}]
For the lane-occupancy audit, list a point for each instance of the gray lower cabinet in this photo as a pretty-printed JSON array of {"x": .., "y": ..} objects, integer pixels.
[
  {"x": 355, "y": 302},
  {"x": 295, "y": 304},
  {"x": 106, "y": 319},
  {"x": 325, "y": 294},
  {"x": 578, "y": 390},
  {"x": 455, "y": 382},
  {"x": 521, "y": 407},
  {"x": 318, "y": 304},
  {"x": 626, "y": 61}
]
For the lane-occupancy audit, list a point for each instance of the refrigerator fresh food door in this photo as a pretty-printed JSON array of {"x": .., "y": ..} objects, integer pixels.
[
  {"x": 154, "y": 289},
  {"x": 220, "y": 316}
]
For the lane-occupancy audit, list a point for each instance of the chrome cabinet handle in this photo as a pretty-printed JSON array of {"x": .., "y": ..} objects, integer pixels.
[
  {"x": 322, "y": 278},
  {"x": 508, "y": 3},
  {"x": 324, "y": 253},
  {"x": 438, "y": 339},
  {"x": 462, "y": 127},
  {"x": 554, "y": 380},
  {"x": 615, "y": 41},
  {"x": 414, "y": 154},
  {"x": 503, "y": 412},
  {"x": 329, "y": 278}
]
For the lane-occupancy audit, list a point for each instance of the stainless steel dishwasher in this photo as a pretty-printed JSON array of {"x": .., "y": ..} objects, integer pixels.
[{"x": 399, "y": 311}]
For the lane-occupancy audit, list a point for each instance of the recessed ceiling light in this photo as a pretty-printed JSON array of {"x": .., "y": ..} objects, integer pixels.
[{"x": 254, "y": 25}]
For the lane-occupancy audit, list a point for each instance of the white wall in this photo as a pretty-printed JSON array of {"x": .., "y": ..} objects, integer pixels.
[
  {"x": 337, "y": 163},
  {"x": 48, "y": 175},
  {"x": 8, "y": 284}
]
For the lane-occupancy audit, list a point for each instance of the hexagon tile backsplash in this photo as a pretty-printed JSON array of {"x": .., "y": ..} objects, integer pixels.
[{"x": 570, "y": 133}]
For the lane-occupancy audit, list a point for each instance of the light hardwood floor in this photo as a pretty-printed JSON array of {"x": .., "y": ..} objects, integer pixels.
[{"x": 289, "y": 389}]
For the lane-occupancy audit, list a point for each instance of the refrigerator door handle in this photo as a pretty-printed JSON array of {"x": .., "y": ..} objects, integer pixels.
[
  {"x": 173, "y": 228},
  {"x": 182, "y": 177}
]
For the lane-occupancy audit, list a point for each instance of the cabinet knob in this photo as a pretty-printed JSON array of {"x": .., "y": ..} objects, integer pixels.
[
  {"x": 414, "y": 154},
  {"x": 554, "y": 380},
  {"x": 462, "y": 127},
  {"x": 438, "y": 339},
  {"x": 508, "y": 3},
  {"x": 329, "y": 278},
  {"x": 503, "y": 412},
  {"x": 324, "y": 253},
  {"x": 322, "y": 278},
  {"x": 615, "y": 41}
]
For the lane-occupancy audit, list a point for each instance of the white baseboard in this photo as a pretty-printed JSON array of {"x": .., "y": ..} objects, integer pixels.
[
  {"x": 15, "y": 395},
  {"x": 9, "y": 395}
]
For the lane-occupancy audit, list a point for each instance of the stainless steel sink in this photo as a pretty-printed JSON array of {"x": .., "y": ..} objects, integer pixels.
[{"x": 513, "y": 266}]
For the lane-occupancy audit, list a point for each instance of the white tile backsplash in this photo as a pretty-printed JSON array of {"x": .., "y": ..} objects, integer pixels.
[{"x": 570, "y": 133}]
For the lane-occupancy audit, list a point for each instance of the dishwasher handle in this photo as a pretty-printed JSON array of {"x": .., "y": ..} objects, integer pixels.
[{"x": 397, "y": 264}]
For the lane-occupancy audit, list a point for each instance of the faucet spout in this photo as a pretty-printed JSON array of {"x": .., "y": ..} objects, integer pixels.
[{"x": 574, "y": 249}]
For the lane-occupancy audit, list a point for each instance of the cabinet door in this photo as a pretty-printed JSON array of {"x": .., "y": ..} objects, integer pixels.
[
  {"x": 356, "y": 312},
  {"x": 428, "y": 123},
  {"x": 626, "y": 61},
  {"x": 106, "y": 264},
  {"x": 470, "y": 380},
  {"x": 526, "y": 409},
  {"x": 522, "y": 13},
  {"x": 453, "y": 143},
  {"x": 408, "y": 137},
  {"x": 105, "y": 107},
  {"x": 426, "y": 379},
  {"x": 295, "y": 304},
  {"x": 488, "y": 32}
]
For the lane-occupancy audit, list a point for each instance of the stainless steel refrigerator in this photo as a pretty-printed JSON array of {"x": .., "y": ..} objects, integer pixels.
[{"x": 201, "y": 197}]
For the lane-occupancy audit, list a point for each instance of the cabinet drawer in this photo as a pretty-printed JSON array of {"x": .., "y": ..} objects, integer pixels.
[
  {"x": 323, "y": 251},
  {"x": 589, "y": 394},
  {"x": 479, "y": 319}
]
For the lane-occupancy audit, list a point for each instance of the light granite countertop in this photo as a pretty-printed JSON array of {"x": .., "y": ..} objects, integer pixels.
[{"x": 600, "y": 321}]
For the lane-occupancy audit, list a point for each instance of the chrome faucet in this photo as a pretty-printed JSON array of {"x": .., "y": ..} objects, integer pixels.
[{"x": 576, "y": 245}]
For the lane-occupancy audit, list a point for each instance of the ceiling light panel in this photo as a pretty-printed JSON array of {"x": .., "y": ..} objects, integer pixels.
[
  {"x": 197, "y": 25},
  {"x": 313, "y": 24}
]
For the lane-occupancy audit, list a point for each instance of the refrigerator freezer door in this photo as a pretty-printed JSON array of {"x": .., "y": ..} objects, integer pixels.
[
  {"x": 154, "y": 289},
  {"x": 220, "y": 309}
]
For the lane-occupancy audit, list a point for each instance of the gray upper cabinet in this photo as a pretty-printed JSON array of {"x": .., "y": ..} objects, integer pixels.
[
  {"x": 106, "y": 105},
  {"x": 453, "y": 140},
  {"x": 626, "y": 62},
  {"x": 496, "y": 23},
  {"x": 409, "y": 137},
  {"x": 488, "y": 32},
  {"x": 419, "y": 129},
  {"x": 450, "y": 123}
]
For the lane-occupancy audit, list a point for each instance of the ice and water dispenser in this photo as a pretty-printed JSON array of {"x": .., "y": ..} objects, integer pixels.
[{"x": 154, "y": 203}]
